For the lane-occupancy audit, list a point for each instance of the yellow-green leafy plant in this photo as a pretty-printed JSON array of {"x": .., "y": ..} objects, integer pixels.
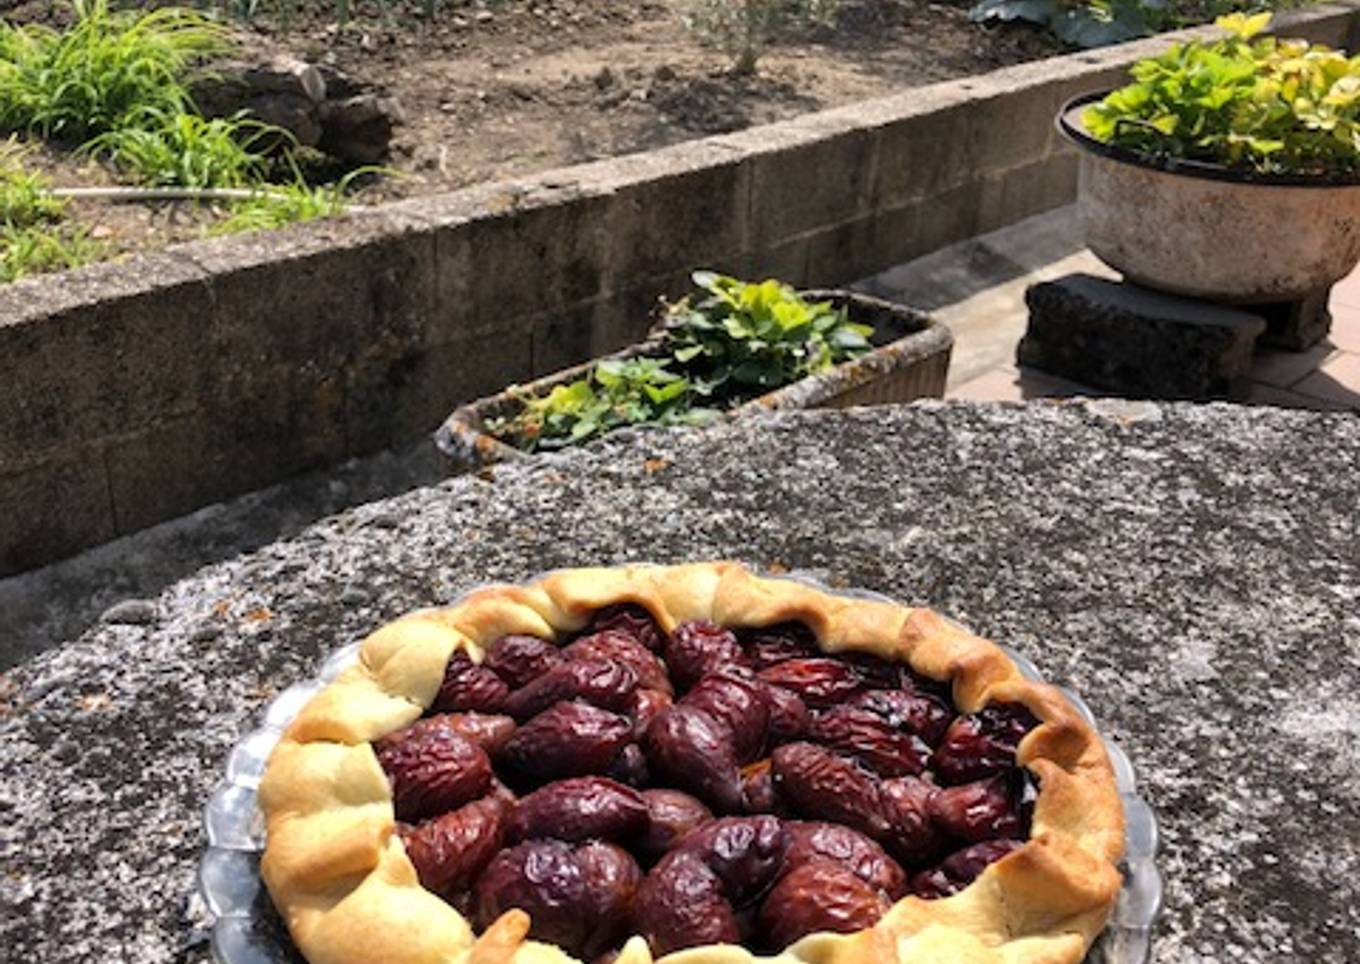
[
  {"x": 1259, "y": 104},
  {"x": 612, "y": 395}
]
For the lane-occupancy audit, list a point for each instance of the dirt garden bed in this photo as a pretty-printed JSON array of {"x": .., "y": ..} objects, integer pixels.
[{"x": 501, "y": 89}]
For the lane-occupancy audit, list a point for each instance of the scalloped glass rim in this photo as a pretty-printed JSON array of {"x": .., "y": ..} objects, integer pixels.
[{"x": 228, "y": 873}]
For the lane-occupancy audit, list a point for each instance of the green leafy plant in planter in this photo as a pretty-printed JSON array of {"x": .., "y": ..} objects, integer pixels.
[
  {"x": 742, "y": 339},
  {"x": 1266, "y": 105},
  {"x": 614, "y": 394},
  {"x": 737, "y": 341}
]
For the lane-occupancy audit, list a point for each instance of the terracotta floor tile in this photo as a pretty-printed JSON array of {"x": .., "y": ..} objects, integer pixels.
[
  {"x": 1346, "y": 327},
  {"x": 1284, "y": 368},
  {"x": 1337, "y": 380},
  {"x": 1009, "y": 384},
  {"x": 1348, "y": 288},
  {"x": 997, "y": 385},
  {"x": 1262, "y": 394}
]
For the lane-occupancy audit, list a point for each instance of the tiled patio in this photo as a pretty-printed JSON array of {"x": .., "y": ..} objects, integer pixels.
[{"x": 978, "y": 289}]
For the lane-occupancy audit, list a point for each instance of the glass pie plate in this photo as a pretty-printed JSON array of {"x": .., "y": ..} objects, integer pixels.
[{"x": 247, "y": 930}]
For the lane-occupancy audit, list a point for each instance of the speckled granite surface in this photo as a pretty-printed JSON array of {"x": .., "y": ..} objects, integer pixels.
[{"x": 1194, "y": 572}]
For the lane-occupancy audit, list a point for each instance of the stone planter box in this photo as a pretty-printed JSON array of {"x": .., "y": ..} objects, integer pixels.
[
  {"x": 1204, "y": 231},
  {"x": 910, "y": 360}
]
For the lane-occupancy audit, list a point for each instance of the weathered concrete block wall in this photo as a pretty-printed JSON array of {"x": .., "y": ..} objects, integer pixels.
[{"x": 134, "y": 392}]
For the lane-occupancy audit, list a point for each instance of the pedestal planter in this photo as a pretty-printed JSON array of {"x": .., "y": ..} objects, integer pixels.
[
  {"x": 1205, "y": 231},
  {"x": 910, "y": 360}
]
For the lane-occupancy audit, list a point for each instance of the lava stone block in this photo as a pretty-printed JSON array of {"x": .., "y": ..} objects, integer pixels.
[{"x": 1142, "y": 343}]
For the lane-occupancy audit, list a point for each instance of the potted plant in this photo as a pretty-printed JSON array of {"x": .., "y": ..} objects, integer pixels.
[
  {"x": 732, "y": 349},
  {"x": 1228, "y": 170}
]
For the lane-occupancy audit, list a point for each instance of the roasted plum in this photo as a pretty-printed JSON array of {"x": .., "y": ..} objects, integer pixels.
[
  {"x": 822, "y": 785},
  {"x": 612, "y": 879},
  {"x": 820, "y": 896},
  {"x": 671, "y": 815},
  {"x": 789, "y": 716},
  {"x": 960, "y": 869},
  {"x": 681, "y": 904},
  {"x": 696, "y": 648},
  {"x": 737, "y": 699},
  {"x": 468, "y": 686},
  {"x": 606, "y": 683},
  {"x": 819, "y": 681},
  {"x": 917, "y": 713},
  {"x": 689, "y": 749},
  {"x": 489, "y": 731},
  {"x": 613, "y": 644},
  {"x": 576, "y": 896},
  {"x": 632, "y": 620},
  {"x": 450, "y": 851},
  {"x": 432, "y": 769},
  {"x": 870, "y": 739},
  {"x": 521, "y": 659},
  {"x": 745, "y": 852},
  {"x": 810, "y": 841},
  {"x": 646, "y": 705},
  {"x": 981, "y": 744},
  {"x": 580, "y": 808},
  {"x": 569, "y": 739},
  {"x": 984, "y": 810},
  {"x": 906, "y": 804},
  {"x": 768, "y": 645}
]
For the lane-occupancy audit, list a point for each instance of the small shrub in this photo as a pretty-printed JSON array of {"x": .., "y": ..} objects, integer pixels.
[
  {"x": 106, "y": 67},
  {"x": 742, "y": 339},
  {"x": 743, "y": 28},
  {"x": 1267, "y": 105}
]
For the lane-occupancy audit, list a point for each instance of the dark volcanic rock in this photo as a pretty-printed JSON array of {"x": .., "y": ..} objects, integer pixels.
[
  {"x": 1137, "y": 342},
  {"x": 1193, "y": 571}
]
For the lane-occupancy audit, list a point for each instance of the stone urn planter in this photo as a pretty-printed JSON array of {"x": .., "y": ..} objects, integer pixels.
[
  {"x": 910, "y": 360},
  {"x": 1205, "y": 231}
]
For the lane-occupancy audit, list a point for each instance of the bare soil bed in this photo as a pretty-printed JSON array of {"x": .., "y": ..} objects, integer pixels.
[{"x": 497, "y": 89}]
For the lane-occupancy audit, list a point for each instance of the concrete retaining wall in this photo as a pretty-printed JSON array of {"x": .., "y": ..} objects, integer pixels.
[{"x": 134, "y": 392}]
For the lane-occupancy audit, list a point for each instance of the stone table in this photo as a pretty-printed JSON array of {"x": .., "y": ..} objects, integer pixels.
[{"x": 1194, "y": 571}]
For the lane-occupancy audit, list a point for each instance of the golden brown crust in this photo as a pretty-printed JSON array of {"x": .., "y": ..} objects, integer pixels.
[{"x": 341, "y": 878}]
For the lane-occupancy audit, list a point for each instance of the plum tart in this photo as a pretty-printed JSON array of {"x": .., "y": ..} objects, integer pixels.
[{"x": 693, "y": 763}]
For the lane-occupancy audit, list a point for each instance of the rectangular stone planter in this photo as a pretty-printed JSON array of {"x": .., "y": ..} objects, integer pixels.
[{"x": 910, "y": 360}]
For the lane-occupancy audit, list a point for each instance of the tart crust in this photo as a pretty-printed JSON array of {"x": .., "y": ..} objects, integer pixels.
[{"x": 338, "y": 872}]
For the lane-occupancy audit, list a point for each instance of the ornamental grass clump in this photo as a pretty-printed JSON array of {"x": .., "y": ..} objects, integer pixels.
[
  {"x": 1265, "y": 106},
  {"x": 92, "y": 77}
]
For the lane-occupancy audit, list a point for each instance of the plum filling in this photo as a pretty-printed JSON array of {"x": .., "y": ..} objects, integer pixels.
[{"x": 710, "y": 785}]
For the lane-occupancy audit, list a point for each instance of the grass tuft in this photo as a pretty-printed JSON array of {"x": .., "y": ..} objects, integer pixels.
[
  {"x": 290, "y": 203},
  {"x": 164, "y": 149},
  {"x": 108, "y": 66},
  {"x": 33, "y": 236}
]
